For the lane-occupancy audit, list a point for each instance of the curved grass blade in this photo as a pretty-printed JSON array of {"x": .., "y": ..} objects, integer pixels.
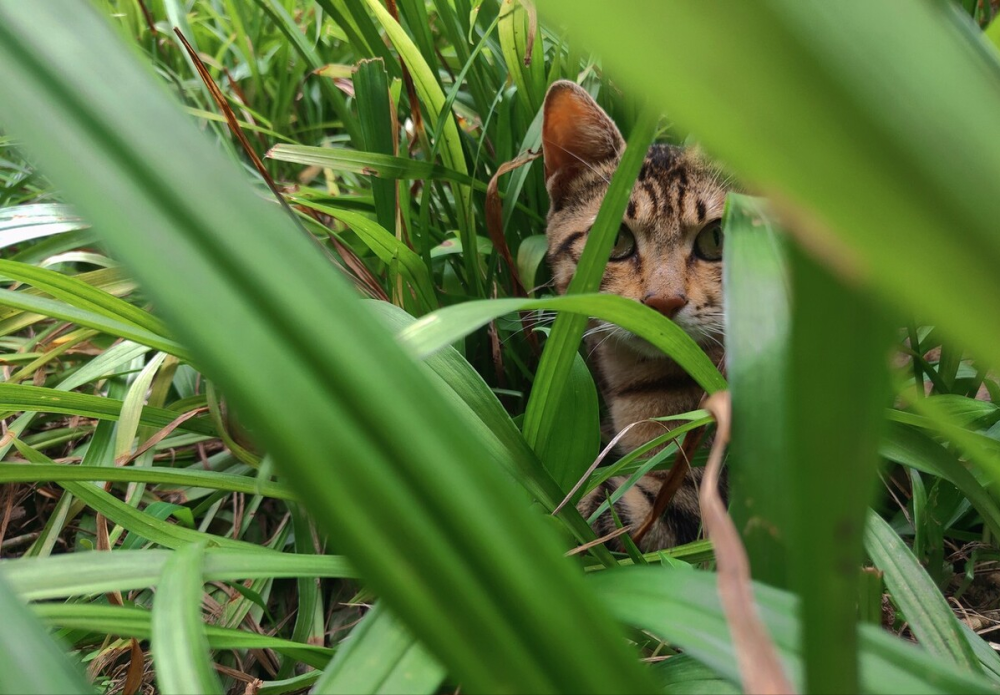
[
  {"x": 136, "y": 622},
  {"x": 82, "y": 295},
  {"x": 433, "y": 99},
  {"x": 67, "y": 312},
  {"x": 57, "y": 473},
  {"x": 758, "y": 321},
  {"x": 177, "y": 640},
  {"x": 682, "y": 606},
  {"x": 86, "y": 573},
  {"x": 387, "y": 247},
  {"x": 367, "y": 163},
  {"x": 345, "y": 386},
  {"x": 915, "y": 593},
  {"x": 447, "y": 325},
  {"x": 30, "y": 661},
  {"x": 15, "y": 397},
  {"x": 381, "y": 656},
  {"x": 20, "y": 223},
  {"x": 911, "y": 447}
]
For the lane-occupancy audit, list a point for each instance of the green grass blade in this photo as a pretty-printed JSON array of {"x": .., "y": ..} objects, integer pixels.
[
  {"x": 683, "y": 674},
  {"x": 831, "y": 463},
  {"x": 30, "y": 662},
  {"x": 20, "y": 473},
  {"x": 136, "y": 622},
  {"x": 86, "y": 573},
  {"x": 683, "y": 607},
  {"x": 575, "y": 444},
  {"x": 20, "y": 223},
  {"x": 371, "y": 85},
  {"x": 540, "y": 418},
  {"x": 178, "y": 642},
  {"x": 345, "y": 386},
  {"x": 132, "y": 406},
  {"x": 757, "y": 341},
  {"x": 20, "y": 397},
  {"x": 911, "y": 447},
  {"x": 60, "y": 310},
  {"x": 512, "y": 30},
  {"x": 369, "y": 163},
  {"x": 82, "y": 295},
  {"x": 926, "y": 610},
  {"x": 432, "y": 98},
  {"x": 387, "y": 247},
  {"x": 447, "y": 325},
  {"x": 381, "y": 657}
]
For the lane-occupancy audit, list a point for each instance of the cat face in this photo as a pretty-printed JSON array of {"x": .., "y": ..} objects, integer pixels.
[{"x": 668, "y": 254}]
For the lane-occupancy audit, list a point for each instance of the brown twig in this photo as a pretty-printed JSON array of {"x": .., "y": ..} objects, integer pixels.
[
  {"x": 494, "y": 217},
  {"x": 672, "y": 483}
]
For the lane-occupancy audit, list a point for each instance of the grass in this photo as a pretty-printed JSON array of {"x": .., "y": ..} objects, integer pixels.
[{"x": 288, "y": 496}]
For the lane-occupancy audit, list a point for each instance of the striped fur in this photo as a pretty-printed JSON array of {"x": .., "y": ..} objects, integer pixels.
[{"x": 676, "y": 197}]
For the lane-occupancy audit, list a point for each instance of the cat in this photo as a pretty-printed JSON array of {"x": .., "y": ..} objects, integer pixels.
[{"x": 668, "y": 255}]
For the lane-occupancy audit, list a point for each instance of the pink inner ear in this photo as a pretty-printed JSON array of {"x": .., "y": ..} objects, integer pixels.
[{"x": 576, "y": 131}]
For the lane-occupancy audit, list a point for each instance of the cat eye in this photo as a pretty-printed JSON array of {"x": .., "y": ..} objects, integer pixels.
[
  {"x": 708, "y": 243},
  {"x": 624, "y": 244}
]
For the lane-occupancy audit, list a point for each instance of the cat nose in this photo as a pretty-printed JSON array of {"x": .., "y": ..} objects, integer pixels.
[{"x": 668, "y": 306}]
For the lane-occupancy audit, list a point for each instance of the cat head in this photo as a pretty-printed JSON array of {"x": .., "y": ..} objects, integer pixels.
[{"x": 668, "y": 254}]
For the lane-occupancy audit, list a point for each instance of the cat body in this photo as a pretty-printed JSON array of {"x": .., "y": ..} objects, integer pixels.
[{"x": 668, "y": 256}]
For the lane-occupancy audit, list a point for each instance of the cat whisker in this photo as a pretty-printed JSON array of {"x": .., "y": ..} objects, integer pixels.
[
  {"x": 602, "y": 328},
  {"x": 604, "y": 340},
  {"x": 542, "y": 318}
]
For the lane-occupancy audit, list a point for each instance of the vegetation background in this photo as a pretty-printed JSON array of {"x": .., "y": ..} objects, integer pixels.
[{"x": 195, "y": 196}]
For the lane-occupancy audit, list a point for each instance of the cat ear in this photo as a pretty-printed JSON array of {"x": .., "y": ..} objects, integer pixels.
[{"x": 576, "y": 134}]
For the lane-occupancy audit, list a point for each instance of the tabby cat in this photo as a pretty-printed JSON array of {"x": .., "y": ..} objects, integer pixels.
[{"x": 668, "y": 256}]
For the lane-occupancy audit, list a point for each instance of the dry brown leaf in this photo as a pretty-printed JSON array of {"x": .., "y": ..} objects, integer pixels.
[
  {"x": 760, "y": 668},
  {"x": 136, "y": 669}
]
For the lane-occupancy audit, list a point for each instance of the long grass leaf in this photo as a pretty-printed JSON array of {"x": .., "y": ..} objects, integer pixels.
[
  {"x": 177, "y": 640},
  {"x": 432, "y": 97},
  {"x": 683, "y": 606},
  {"x": 20, "y": 473},
  {"x": 831, "y": 459},
  {"x": 82, "y": 295},
  {"x": 86, "y": 573},
  {"x": 136, "y": 622},
  {"x": 447, "y": 325},
  {"x": 67, "y": 312},
  {"x": 381, "y": 657},
  {"x": 757, "y": 326},
  {"x": 926, "y": 610},
  {"x": 30, "y": 661},
  {"x": 20, "y": 397},
  {"x": 406, "y": 494}
]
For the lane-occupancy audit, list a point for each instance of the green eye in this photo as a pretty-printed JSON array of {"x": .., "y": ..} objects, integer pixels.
[
  {"x": 624, "y": 244},
  {"x": 708, "y": 243}
]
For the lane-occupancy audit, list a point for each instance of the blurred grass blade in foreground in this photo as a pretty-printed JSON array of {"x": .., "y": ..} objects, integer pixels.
[{"x": 360, "y": 434}]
